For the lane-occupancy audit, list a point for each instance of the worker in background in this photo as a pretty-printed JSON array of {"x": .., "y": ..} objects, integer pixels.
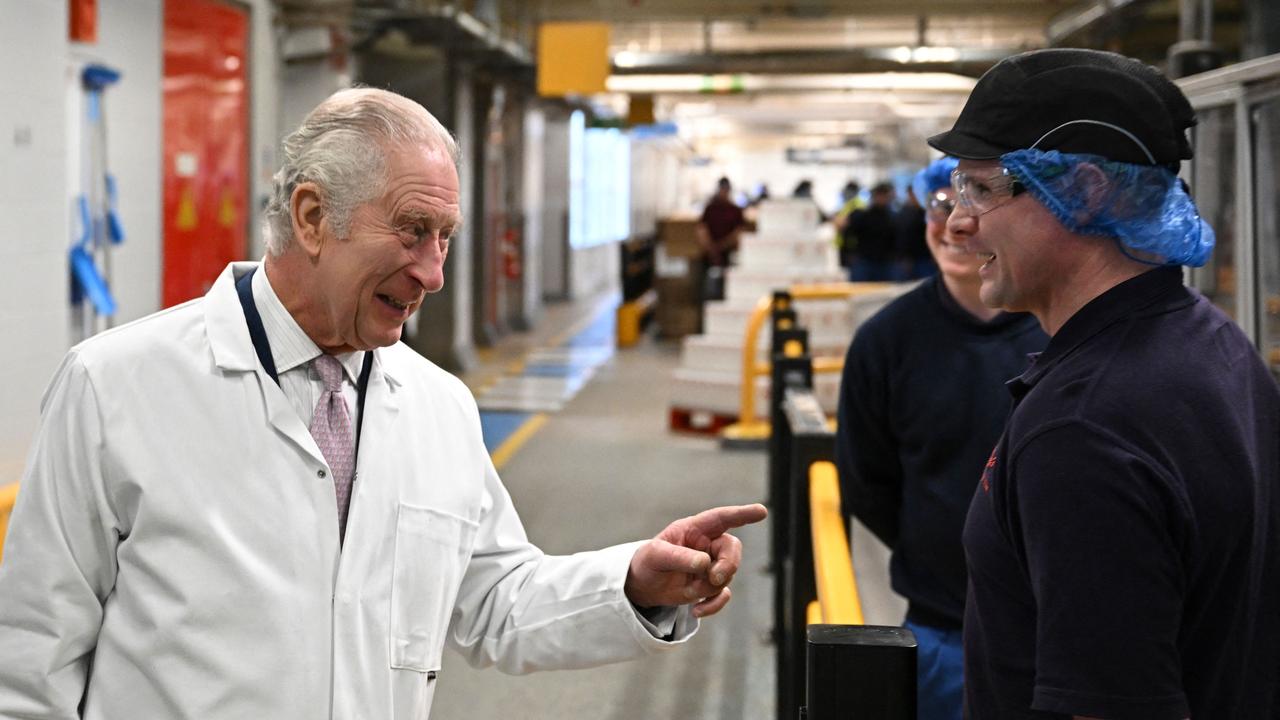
[
  {"x": 921, "y": 404},
  {"x": 804, "y": 191},
  {"x": 850, "y": 200},
  {"x": 1123, "y": 542},
  {"x": 870, "y": 234},
  {"x": 719, "y": 231},
  {"x": 720, "y": 226},
  {"x": 261, "y": 505},
  {"x": 910, "y": 228}
]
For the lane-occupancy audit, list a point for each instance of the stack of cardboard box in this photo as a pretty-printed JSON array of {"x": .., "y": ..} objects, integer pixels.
[
  {"x": 678, "y": 277},
  {"x": 789, "y": 248}
]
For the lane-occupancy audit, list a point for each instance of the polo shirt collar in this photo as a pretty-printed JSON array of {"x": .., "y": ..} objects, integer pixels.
[{"x": 1120, "y": 302}]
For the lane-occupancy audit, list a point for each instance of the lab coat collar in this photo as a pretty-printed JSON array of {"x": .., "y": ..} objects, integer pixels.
[
  {"x": 233, "y": 351},
  {"x": 229, "y": 336},
  {"x": 224, "y": 320}
]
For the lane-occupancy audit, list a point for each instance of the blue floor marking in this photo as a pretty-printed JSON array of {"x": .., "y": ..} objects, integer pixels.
[
  {"x": 562, "y": 371},
  {"x": 498, "y": 425},
  {"x": 599, "y": 332}
]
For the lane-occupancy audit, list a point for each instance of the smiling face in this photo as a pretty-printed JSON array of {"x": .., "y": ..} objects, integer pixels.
[
  {"x": 955, "y": 261},
  {"x": 1024, "y": 252},
  {"x": 367, "y": 284}
]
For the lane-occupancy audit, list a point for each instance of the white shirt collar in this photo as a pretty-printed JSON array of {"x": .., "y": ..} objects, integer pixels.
[{"x": 290, "y": 345}]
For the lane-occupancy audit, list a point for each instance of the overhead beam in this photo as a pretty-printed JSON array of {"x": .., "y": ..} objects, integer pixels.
[
  {"x": 668, "y": 10},
  {"x": 962, "y": 61}
]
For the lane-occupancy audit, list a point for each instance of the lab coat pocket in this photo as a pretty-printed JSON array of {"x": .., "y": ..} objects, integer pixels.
[{"x": 431, "y": 554}]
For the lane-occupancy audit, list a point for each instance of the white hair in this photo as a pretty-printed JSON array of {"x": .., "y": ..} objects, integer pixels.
[{"x": 341, "y": 147}]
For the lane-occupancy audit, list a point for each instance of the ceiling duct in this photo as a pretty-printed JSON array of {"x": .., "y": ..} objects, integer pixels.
[
  {"x": 408, "y": 27},
  {"x": 401, "y": 28}
]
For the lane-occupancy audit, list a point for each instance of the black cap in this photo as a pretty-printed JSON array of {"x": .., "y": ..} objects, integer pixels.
[{"x": 1073, "y": 101}]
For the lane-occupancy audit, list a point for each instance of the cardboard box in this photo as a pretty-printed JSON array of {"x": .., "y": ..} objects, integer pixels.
[
  {"x": 676, "y": 321},
  {"x": 675, "y": 291},
  {"x": 679, "y": 237}
]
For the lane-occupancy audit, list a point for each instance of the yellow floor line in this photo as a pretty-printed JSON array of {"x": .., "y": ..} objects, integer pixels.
[{"x": 518, "y": 438}]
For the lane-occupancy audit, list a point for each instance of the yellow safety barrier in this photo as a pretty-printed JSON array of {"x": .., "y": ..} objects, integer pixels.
[
  {"x": 749, "y": 427},
  {"x": 838, "y": 599},
  {"x": 631, "y": 318},
  {"x": 8, "y": 496}
]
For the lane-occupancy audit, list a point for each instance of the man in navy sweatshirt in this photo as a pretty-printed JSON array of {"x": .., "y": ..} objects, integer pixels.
[
  {"x": 1123, "y": 543},
  {"x": 921, "y": 405}
]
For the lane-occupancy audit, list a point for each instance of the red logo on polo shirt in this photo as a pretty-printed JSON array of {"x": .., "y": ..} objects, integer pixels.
[{"x": 986, "y": 472}]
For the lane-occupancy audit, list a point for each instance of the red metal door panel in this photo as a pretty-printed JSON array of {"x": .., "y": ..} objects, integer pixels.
[{"x": 206, "y": 141}]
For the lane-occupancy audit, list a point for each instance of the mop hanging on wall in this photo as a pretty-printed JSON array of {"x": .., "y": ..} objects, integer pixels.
[{"x": 99, "y": 220}]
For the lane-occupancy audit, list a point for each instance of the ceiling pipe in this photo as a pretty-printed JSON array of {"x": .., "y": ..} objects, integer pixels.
[
  {"x": 1066, "y": 25},
  {"x": 1187, "y": 20},
  {"x": 1195, "y": 51}
]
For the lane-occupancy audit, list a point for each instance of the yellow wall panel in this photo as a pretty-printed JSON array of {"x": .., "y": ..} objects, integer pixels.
[{"x": 573, "y": 58}]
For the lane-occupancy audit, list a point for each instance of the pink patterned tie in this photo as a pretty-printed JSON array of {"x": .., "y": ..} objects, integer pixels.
[{"x": 331, "y": 427}]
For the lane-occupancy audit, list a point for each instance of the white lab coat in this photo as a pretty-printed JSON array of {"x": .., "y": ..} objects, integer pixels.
[{"x": 173, "y": 528}]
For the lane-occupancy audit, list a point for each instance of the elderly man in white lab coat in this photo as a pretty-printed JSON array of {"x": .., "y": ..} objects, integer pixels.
[{"x": 259, "y": 505}]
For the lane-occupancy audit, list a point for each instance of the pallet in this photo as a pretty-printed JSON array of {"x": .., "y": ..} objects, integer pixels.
[{"x": 699, "y": 422}]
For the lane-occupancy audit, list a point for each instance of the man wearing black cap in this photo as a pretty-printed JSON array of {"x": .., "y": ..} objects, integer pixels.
[{"x": 1124, "y": 539}]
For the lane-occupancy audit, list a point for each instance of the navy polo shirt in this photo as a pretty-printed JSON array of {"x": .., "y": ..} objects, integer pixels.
[{"x": 1124, "y": 539}]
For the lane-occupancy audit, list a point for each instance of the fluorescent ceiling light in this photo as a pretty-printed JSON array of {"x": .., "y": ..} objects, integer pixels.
[
  {"x": 929, "y": 82},
  {"x": 924, "y": 54}
]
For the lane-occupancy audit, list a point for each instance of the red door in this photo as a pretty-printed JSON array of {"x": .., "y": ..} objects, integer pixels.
[{"x": 206, "y": 141}]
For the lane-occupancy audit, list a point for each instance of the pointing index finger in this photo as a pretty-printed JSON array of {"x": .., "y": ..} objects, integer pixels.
[{"x": 718, "y": 521}]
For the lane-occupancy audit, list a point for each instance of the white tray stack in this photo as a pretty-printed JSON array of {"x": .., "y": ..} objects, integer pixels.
[{"x": 789, "y": 248}]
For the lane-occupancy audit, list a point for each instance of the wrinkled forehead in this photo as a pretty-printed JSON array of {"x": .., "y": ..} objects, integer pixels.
[{"x": 978, "y": 167}]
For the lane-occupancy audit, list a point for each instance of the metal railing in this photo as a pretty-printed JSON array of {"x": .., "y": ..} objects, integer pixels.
[
  {"x": 838, "y": 601},
  {"x": 801, "y": 438},
  {"x": 750, "y": 427},
  {"x": 829, "y": 664}
]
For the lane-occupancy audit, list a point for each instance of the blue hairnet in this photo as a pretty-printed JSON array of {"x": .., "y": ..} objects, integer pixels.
[
  {"x": 1145, "y": 207},
  {"x": 935, "y": 175}
]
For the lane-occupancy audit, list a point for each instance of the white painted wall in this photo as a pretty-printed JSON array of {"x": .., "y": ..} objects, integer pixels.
[
  {"x": 40, "y": 175},
  {"x": 655, "y": 165},
  {"x": 34, "y": 227},
  {"x": 748, "y": 169},
  {"x": 306, "y": 84},
  {"x": 130, "y": 37},
  {"x": 594, "y": 270}
]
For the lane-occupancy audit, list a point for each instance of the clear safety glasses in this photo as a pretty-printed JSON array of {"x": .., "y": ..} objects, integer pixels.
[
  {"x": 939, "y": 205},
  {"x": 981, "y": 195}
]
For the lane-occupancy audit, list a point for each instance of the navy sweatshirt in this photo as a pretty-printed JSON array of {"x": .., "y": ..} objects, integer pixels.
[
  {"x": 1124, "y": 542},
  {"x": 922, "y": 403}
]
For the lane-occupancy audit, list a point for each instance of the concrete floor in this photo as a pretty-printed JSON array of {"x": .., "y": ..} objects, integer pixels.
[{"x": 605, "y": 470}]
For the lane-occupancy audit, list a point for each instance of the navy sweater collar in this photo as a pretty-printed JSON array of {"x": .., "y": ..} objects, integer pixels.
[{"x": 1153, "y": 291}]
